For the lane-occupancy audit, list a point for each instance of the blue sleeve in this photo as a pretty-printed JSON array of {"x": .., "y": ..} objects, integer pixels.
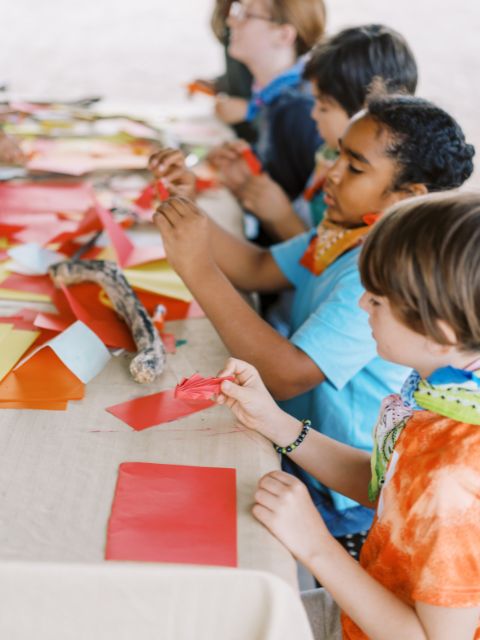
[
  {"x": 287, "y": 256},
  {"x": 294, "y": 140},
  {"x": 337, "y": 336}
]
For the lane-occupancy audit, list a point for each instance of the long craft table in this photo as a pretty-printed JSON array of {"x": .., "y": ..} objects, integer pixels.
[{"x": 58, "y": 469}]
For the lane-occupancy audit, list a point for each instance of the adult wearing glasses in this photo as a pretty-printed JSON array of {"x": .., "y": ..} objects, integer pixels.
[{"x": 270, "y": 37}]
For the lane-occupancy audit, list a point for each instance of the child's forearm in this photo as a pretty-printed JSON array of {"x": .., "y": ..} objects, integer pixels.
[
  {"x": 375, "y": 609},
  {"x": 340, "y": 467},
  {"x": 246, "y": 265},
  {"x": 286, "y": 370},
  {"x": 286, "y": 226}
]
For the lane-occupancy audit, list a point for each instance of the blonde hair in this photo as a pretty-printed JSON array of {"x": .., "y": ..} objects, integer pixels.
[
  {"x": 424, "y": 257},
  {"x": 307, "y": 16}
]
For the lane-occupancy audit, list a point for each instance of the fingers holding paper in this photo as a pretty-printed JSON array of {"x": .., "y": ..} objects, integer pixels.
[
  {"x": 185, "y": 234},
  {"x": 250, "y": 401},
  {"x": 169, "y": 166}
]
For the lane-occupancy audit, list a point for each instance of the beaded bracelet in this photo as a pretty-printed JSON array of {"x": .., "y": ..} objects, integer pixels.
[{"x": 306, "y": 428}]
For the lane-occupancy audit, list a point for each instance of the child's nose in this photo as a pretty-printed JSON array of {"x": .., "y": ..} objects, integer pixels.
[
  {"x": 334, "y": 174},
  {"x": 363, "y": 302}
]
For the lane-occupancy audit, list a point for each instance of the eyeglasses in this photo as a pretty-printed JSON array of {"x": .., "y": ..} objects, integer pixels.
[{"x": 239, "y": 12}]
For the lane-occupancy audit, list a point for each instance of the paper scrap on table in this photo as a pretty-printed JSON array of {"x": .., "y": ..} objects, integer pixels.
[
  {"x": 41, "y": 382},
  {"x": 198, "y": 388},
  {"x": 84, "y": 302},
  {"x": 45, "y": 197},
  {"x": 32, "y": 259},
  {"x": 157, "y": 408},
  {"x": 80, "y": 349},
  {"x": 128, "y": 254},
  {"x": 173, "y": 513},
  {"x": 13, "y": 344},
  {"x": 158, "y": 277}
]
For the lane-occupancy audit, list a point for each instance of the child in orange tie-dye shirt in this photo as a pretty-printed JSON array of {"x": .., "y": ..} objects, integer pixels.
[{"x": 419, "y": 571}]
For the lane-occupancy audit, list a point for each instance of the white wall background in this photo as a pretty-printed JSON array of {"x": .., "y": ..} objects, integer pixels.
[{"x": 143, "y": 50}]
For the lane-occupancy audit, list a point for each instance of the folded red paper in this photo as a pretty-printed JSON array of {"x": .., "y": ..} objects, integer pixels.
[
  {"x": 198, "y": 388},
  {"x": 172, "y": 513}
]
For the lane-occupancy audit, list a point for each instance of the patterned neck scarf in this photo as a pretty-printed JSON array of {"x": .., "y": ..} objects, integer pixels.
[
  {"x": 453, "y": 393},
  {"x": 271, "y": 91},
  {"x": 329, "y": 243}
]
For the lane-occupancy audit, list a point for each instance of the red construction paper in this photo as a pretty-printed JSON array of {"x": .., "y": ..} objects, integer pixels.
[
  {"x": 158, "y": 408},
  {"x": 127, "y": 253},
  {"x": 176, "y": 309},
  {"x": 204, "y": 184},
  {"x": 33, "y": 284},
  {"x": 45, "y": 197},
  {"x": 252, "y": 162},
  {"x": 84, "y": 303},
  {"x": 173, "y": 513},
  {"x": 198, "y": 388},
  {"x": 151, "y": 193}
]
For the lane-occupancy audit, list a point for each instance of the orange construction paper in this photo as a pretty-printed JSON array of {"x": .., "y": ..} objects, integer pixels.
[
  {"x": 157, "y": 408},
  {"x": 42, "y": 379},
  {"x": 173, "y": 513},
  {"x": 128, "y": 254}
]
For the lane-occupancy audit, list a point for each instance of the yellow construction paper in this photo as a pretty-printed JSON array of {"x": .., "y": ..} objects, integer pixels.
[
  {"x": 13, "y": 344},
  {"x": 158, "y": 277}
]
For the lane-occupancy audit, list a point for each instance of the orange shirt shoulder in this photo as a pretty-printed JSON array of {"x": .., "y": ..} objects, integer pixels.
[{"x": 424, "y": 542}]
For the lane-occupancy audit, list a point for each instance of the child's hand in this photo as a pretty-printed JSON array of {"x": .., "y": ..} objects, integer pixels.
[
  {"x": 227, "y": 152},
  {"x": 230, "y": 109},
  {"x": 250, "y": 401},
  {"x": 10, "y": 152},
  {"x": 169, "y": 166},
  {"x": 284, "y": 506},
  {"x": 230, "y": 164},
  {"x": 265, "y": 198},
  {"x": 185, "y": 235}
]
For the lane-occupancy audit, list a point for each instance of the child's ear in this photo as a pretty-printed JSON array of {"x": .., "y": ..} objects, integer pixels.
[
  {"x": 448, "y": 332},
  {"x": 415, "y": 189},
  {"x": 287, "y": 35}
]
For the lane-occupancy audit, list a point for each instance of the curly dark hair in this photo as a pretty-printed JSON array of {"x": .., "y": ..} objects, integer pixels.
[
  {"x": 427, "y": 144},
  {"x": 345, "y": 65}
]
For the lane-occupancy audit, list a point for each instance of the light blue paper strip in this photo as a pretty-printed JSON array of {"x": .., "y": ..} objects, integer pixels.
[{"x": 81, "y": 350}]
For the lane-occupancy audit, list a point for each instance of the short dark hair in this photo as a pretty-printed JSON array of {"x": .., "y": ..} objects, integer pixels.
[
  {"x": 344, "y": 66},
  {"x": 427, "y": 144},
  {"x": 423, "y": 256}
]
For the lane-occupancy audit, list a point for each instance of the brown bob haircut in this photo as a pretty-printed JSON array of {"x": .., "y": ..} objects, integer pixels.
[
  {"x": 307, "y": 16},
  {"x": 424, "y": 257}
]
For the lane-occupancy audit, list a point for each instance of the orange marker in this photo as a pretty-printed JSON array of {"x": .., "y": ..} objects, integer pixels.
[
  {"x": 252, "y": 161},
  {"x": 198, "y": 87}
]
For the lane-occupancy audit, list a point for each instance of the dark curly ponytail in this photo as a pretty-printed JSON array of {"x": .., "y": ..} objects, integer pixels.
[{"x": 427, "y": 144}]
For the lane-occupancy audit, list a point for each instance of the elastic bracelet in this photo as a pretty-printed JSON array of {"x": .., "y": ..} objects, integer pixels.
[{"x": 306, "y": 428}]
